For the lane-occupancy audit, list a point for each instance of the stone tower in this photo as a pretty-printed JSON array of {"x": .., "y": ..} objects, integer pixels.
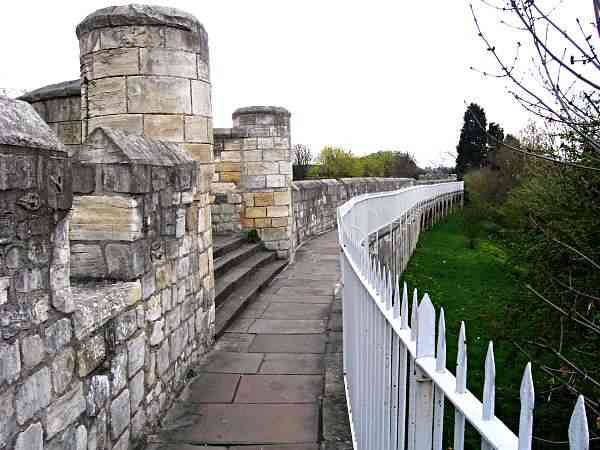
[{"x": 145, "y": 70}]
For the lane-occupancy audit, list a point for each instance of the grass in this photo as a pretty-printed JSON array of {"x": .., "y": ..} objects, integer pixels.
[{"x": 480, "y": 287}]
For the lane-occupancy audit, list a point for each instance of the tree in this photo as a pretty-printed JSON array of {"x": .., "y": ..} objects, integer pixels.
[
  {"x": 471, "y": 148},
  {"x": 495, "y": 136},
  {"x": 302, "y": 160},
  {"x": 336, "y": 162}
]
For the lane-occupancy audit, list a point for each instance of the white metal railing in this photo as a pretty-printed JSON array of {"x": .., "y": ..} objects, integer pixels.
[{"x": 397, "y": 383}]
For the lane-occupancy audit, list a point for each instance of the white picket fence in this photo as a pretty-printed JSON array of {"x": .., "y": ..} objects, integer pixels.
[{"x": 397, "y": 383}]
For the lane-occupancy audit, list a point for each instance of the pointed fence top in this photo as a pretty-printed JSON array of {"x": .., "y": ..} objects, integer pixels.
[
  {"x": 489, "y": 386},
  {"x": 440, "y": 361},
  {"x": 426, "y": 328},
  {"x": 414, "y": 316},
  {"x": 461, "y": 361},
  {"x": 579, "y": 434},
  {"x": 404, "y": 308}
]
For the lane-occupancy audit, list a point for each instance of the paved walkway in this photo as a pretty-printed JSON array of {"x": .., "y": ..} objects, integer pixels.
[{"x": 274, "y": 380}]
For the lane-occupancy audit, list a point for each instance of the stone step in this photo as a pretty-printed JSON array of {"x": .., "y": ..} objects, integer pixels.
[
  {"x": 238, "y": 274},
  {"x": 244, "y": 293},
  {"x": 230, "y": 259},
  {"x": 224, "y": 243}
]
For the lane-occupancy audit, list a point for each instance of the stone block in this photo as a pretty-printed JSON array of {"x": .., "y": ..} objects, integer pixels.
[
  {"x": 87, "y": 261},
  {"x": 8, "y": 426},
  {"x": 118, "y": 370},
  {"x": 230, "y": 177},
  {"x": 196, "y": 129},
  {"x": 136, "y": 390},
  {"x": 58, "y": 335},
  {"x": 276, "y": 155},
  {"x": 157, "y": 334},
  {"x": 285, "y": 167},
  {"x": 162, "y": 358},
  {"x": 123, "y": 442},
  {"x": 153, "y": 308},
  {"x": 120, "y": 414},
  {"x": 167, "y": 127},
  {"x": 34, "y": 351},
  {"x": 106, "y": 218},
  {"x": 255, "y": 212},
  {"x": 107, "y": 96},
  {"x": 63, "y": 109},
  {"x": 10, "y": 368},
  {"x": 136, "y": 350},
  {"x": 261, "y": 168},
  {"x": 263, "y": 199},
  {"x": 73, "y": 438},
  {"x": 91, "y": 354},
  {"x": 158, "y": 95},
  {"x": 115, "y": 62},
  {"x": 31, "y": 438},
  {"x": 255, "y": 181},
  {"x": 182, "y": 40},
  {"x": 201, "y": 100},
  {"x": 278, "y": 211},
  {"x": 276, "y": 181},
  {"x": 167, "y": 61},
  {"x": 132, "y": 36},
  {"x": 125, "y": 325},
  {"x": 280, "y": 221},
  {"x": 274, "y": 234},
  {"x": 65, "y": 410},
  {"x": 98, "y": 394},
  {"x": 231, "y": 156},
  {"x": 63, "y": 369},
  {"x": 262, "y": 223},
  {"x": 119, "y": 178},
  {"x": 69, "y": 133},
  {"x": 203, "y": 70},
  {"x": 33, "y": 395},
  {"x": 282, "y": 198},
  {"x": 125, "y": 261},
  {"x": 89, "y": 42},
  {"x": 131, "y": 123}
]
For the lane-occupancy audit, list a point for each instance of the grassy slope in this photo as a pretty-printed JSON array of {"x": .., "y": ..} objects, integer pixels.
[{"x": 478, "y": 287}]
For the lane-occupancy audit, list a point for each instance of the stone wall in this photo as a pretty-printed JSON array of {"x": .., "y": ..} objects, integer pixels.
[
  {"x": 315, "y": 201},
  {"x": 60, "y": 107}
]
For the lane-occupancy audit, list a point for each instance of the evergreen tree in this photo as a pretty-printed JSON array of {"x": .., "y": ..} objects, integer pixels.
[
  {"x": 471, "y": 149},
  {"x": 495, "y": 136}
]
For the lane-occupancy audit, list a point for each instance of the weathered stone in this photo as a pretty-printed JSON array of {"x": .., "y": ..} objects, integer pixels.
[
  {"x": 196, "y": 129},
  {"x": 125, "y": 261},
  {"x": 58, "y": 335},
  {"x": 107, "y": 96},
  {"x": 98, "y": 304},
  {"x": 123, "y": 442},
  {"x": 34, "y": 351},
  {"x": 91, "y": 354},
  {"x": 65, "y": 410},
  {"x": 8, "y": 425},
  {"x": 154, "y": 308},
  {"x": 74, "y": 438},
  {"x": 177, "y": 341},
  {"x": 63, "y": 368},
  {"x": 137, "y": 424},
  {"x": 21, "y": 126},
  {"x": 136, "y": 349},
  {"x": 11, "y": 362},
  {"x": 165, "y": 61},
  {"x": 118, "y": 370},
  {"x": 115, "y": 62},
  {"x": 125, "y": 325},
  {"x": 131, "y": 36},
  {"x": 131, "y": 123},
  {"x": 276, "y": 181},
  {"x": 120, "y": 414},
  {"x": 157, "y": 335},
  {"x": 201, "y": 100},
  {"x": 87, "y": 261},
  {"x": 158, "y": 95},
  {"x": 136, "y": 390},
  {"x": 33, "y": 395},
  {"x": 106, "y": 218},
  {"x": 162, "y": 359},
  {"x": 148, "y": 285},
  {"x": 31, "y": 438},
  {"x": 97, "y": 395},
  {"x": 164, "y": 127},
  {"x": 164, "y": 276}
]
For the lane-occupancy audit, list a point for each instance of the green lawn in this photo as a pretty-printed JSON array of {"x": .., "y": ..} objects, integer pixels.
[{"x": 480, "y": 287}]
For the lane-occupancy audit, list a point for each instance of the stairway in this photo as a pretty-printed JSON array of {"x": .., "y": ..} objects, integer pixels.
[{"x": 242, "y": 269}]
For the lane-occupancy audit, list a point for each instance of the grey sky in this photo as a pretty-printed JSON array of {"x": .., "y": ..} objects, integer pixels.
[{"x": 364, "y": 75}]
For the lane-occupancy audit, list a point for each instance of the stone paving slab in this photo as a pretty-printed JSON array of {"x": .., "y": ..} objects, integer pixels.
[
  {"x": 277, "y": 326},
  {"x": 279, "y": 389},
  {"x": 296, "y": 343},
  {"x": 296, "y": 311},
  {"x": 321, "y": 299},
  {"x": 277, "y": 447},
  {"x": 211, "y": 388},
  {"x": 292, "y": 363},
  {"x": 305, "y": 290},
  {"x": 240, "y": 325},
  {"x": 234, "y": 342},
  {"x": 232, "y": 362},
  {"x": 252, "y": 424}
]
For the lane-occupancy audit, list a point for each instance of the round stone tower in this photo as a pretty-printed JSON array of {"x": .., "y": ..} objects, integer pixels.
[{"x": 145, "y": 70}]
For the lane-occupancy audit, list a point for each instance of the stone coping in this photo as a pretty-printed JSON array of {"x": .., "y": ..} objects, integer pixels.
[
  {"x": 97, "y": 303},
  {"x": 261, "y": 110},
  {"x": 230, "y": 133},
  {"x": 70, "y": 88},
  {"x": 135, "y": 14},
  {"x": 118, "y": 145},
  {"x": 21, "y": 126}
]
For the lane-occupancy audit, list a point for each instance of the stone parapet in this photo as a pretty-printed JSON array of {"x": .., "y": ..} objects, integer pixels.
[{"x": 315, "y": 202}]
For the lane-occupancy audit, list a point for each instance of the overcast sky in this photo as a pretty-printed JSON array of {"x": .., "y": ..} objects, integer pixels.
[{"x": 365, "y": 75}]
